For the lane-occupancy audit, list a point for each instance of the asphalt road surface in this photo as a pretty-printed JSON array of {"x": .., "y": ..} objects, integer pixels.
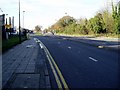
[{"x": 81, "y": 65}]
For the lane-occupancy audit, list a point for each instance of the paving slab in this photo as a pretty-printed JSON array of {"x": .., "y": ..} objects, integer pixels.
[
  {"x": 23, "y": 66},
  {"x": 26, "y": 81}
]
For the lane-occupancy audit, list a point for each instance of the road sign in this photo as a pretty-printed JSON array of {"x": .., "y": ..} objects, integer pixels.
[{"x": 7, "y": 26}]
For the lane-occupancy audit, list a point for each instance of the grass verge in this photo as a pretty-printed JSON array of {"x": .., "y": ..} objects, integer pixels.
[{"x": 12, "y": 41}]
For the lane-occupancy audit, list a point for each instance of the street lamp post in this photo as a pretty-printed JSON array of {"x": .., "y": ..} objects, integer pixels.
[
  {"x": 23, "y": 18},
  {"x": 1, "y": 10},
  {"x": 19, "y": 25},
  {"x": 25, "y": 32},
  {"x": 6, "y": 28}
]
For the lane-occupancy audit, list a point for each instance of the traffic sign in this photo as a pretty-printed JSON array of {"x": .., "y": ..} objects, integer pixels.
[{"x": 7, "y": 26}]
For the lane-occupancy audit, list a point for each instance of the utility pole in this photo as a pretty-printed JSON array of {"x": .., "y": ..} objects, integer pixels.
[{"x": 19, "y": 25}]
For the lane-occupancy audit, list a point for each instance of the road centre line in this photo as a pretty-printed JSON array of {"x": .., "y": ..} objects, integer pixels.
[
  {"x": 69, "y": 47},
  {"x": 93, "y": 59},
  {"x": 52, "y": 62}
]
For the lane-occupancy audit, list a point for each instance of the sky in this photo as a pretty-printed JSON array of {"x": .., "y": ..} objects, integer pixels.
[{"x": 47, "y": 12}]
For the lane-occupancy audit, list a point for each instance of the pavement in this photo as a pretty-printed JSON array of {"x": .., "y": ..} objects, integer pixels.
[{"x": 24, "y": 66}]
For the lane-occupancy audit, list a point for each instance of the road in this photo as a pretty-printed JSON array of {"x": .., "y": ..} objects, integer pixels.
[{"x": 81, "y": 65}]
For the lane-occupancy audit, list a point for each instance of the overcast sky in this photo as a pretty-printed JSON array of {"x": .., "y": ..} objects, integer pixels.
[{"x": 47, "y": 12}]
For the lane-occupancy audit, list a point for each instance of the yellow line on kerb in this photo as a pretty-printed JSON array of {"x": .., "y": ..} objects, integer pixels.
[
  {"x": 57, "y": 69},
  {"x": 54, "y": 72}
]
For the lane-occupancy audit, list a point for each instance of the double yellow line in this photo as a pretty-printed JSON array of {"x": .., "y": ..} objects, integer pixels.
[{"x": 56, "y": 71}]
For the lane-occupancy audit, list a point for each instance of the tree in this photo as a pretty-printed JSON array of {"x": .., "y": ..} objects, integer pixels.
[
  {"x": 38, "y": 28},
  {"x": 116, "y": 17},
  {"x": 102, "y": 23},
  {"x": 62, "y": 23},
  {"x": 70, "y": 29},
  {"x": 66, "y": 20},
  {"x": 96, "y": 24},
  {"x": 108, "y": 21},
  {"x": 81, "y": 26}
]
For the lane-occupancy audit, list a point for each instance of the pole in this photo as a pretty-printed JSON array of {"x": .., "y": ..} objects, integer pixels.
[
  {"x": 19, "y": 25},
  {"x": 6, "y": 28},
  {"x": 1, "y": 10},
  {"x": 13, "y": 23},
  {"x": 23, "y": 19}
]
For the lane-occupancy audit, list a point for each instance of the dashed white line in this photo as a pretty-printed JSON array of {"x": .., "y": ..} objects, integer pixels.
[
  {"x": 58, "y": 42},
  {"x": 93, "y": 59},
  {"x": 69, "y": 47}
]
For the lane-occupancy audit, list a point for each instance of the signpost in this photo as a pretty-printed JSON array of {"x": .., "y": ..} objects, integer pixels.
[
  {"x": 1, "y": 21},
  {"x": 2, "y": 27}
]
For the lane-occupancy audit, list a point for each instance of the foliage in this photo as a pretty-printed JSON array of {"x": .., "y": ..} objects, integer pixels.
[
  {"x": 38, "y": 28},
  {"x": 97, "y": 24},
  {"x": 12, "y": 41},
  {"x": 105, "y": 22},
  {"x": 108, "y": 21},
  {"x": 116, "y": 17},
  {"x": 61, "y": 24}
]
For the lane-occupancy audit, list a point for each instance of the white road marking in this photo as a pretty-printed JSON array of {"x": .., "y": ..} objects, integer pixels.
[
  {"x": 41, "y": 45},
  {"x": 35, "y": 39},
  {"x": 38, "y": 41},
  {"x": 64, "y": 38},
  {"x": 69, "y": 47},
  {"x": 58, "y": 42},
  {"x": 93, "y": 59}
]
